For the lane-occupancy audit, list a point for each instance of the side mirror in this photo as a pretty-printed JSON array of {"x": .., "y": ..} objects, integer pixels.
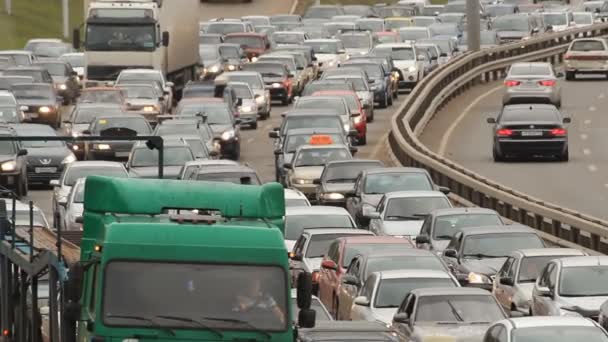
[
  {"x": 300, "y": 68},
  {"x": 288, "y": 166},
  {"x": 506, "y": 281},
  {"x": 304, "y": 294},
  {"x": 422, "y": 239},
  {"x": 273, "y": 134},
  {"x": 329, "y": 264},
  {"x": 567, "y": 120},
  {"x": 316, "y": 181},
  {"x": 74, "y": 284},
  {"x": 79, "y": 219},
  {"x": 401, "y": 317},
  {"x": 491, "y": 120},
  {"x": 22, "y": 152},
  {"x": 76, "y": 39},
  {"x": 60, "y": 99},
  {"x": 443, "y": 54},
  {"x": 354, "y": 114},
  {"x": 363, "y": 301},
  {"x": 444, "y": 190},
  {"x": 165, "y": 38},
  {"x": 161, "y": 98},
  {"x": 597, "y": 10},
  {"x": 54, "y": 182},
  {"x": 544, "y": 291},
  {"x": 372, "y": 215},
  {"x": 450, "y": 253}
]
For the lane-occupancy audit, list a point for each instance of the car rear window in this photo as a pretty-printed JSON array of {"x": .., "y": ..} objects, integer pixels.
[
  {"x": 529, "y": 115},
  {"x": 587, "y": 45},
  {"x": 525, "y": 70}
]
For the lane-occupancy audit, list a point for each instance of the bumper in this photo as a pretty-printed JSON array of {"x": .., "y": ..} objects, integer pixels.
[
  {"x": 379, "y": 95},
  {"x": 229, "y": 148},
  {"x": 9, "y": 180},
  {"x": 248, "y": 118},
  {"x": 588, "y": 67},
  {"x": 523, "y": 97},
  {"x": 43, "y": 174},
  {"x": 278, "y": 93},
  {"x": 36, "y": 117},
  {"x": 108, "y": 155},
  {"x": 530, "y": 147}
]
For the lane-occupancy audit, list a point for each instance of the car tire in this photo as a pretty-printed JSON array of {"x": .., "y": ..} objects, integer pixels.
[
  {"x": 285, "y": 101},
  {"x": 390, "y": 99},
  {"x": 362, "y": 141},
  {"x": 497, "y": 156},
  {"x": 384, "y": 102},
  {"x": 570, "y": 75},
  {"x": 254, "y": 125},
  {"x": 565, "y": 156},
  {"x": 370, "y": 117}
]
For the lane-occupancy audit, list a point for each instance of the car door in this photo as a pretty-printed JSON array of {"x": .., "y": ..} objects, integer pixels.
[
  {"x": 375, "y": 224},
  {"x": 359, "y": 312},
  {"x": 347, "y": 292},
  {"x": 352, "y": 202},
  {"x": 540, "y": 304},
  {"x": 503, "y": 292},
  {"x": 406, "y": 329},
  {"x": 328, "y": 279}
]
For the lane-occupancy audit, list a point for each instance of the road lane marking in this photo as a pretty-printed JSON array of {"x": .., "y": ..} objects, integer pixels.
[
  {"x": 592, "y": 109},
  {"x": 601, "y": 96},
  {"x": 587, "y": 122},
  {"x": 592, "y": 168},
  {"x": 250, "y": 140},
  {"x": 446, "y": 137},
  {"x": 584, "y": 136},
  {"x": 586, "y": 151}
]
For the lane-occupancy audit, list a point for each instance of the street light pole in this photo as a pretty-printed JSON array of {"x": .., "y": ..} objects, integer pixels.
[
  {"x": 473, "y": 25},
  {"x": 66, "y": 18}
]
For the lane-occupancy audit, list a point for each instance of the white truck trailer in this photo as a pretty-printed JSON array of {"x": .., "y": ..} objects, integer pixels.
[{"x": 135, "y": 34}]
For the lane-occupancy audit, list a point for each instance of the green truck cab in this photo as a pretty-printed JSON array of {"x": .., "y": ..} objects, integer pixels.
[{"x": 165, "y": 260}]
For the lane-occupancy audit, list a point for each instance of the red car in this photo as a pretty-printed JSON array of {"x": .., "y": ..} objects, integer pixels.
[
  {"x": 357, "y": 113},
  {"x": 339, "y": 255},
  {"x": 254, "y": 44}
]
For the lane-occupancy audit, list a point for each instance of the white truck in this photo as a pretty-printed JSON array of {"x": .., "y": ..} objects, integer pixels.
[{"x": 141, "y": 34}]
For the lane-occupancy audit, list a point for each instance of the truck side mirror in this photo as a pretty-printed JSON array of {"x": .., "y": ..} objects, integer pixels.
[
  {"x": 165, "y": 38},
  {"x": 76, "y": 39}
]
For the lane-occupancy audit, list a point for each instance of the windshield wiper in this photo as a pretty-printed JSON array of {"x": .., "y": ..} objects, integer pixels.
[
  {"x": 455, "y": 312},
  {"x": 239, "y": 321},
  {"x": 190, "y": 320},
  {"x": 481, "y": 255},
  {"x": 340, "y": 180},
  {"x": 415, "y": 217},
  {"x": 145, "y": 319}
]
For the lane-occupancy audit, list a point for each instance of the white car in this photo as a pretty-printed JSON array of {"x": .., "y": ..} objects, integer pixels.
[
  {"x": 411, "y": 34},
  {"x": 586, "y": 56},
  {"x": 562, "y": 329},
  {"x": 315, "y": 304},
  {"x": 405, "y": 58},
  {"x": 147, "y": 76},
  {"x": 295, "y": 198},
  {"x": 402, "y": 213},
  {"x": 74, "y": 207},
  {"x": 330, "y": 53},
  {"x": 7, "y": 98},
  {"x": 384, "y": 291},
  {"x": 299, "y": 218},
  {"x": 559, "y": 21}
]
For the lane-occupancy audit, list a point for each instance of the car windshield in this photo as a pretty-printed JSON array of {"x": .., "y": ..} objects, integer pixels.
[
  {"x": 370, "y": 25},
  {"x": 9, "y": 114},
  {"x": 372, "y": 70},
  {"x": 530, "y": 267},
  {"x": 254, "y": 81},
  {"x": 36, "y": 75},
  {"x": 530, "y": 69},
  {"x": 587, "y": 45},
  {"x": 209, "y": 53},
  {"x": 346, "y": 172},
  {"x": 398, "y": 54},
  {"x": 498, "y": 245},
  {"x": 320, "y": 156},
  {"x": 314, "y": 87},
  {"x": 315, "y": 305},
  {"x": 447, "y": 225},
  {"x": 583, "y": 281},
  {"x": 173, "y": 156},
  {"x": 225, "y": 288},
  {"x": 250, "y": 42},
  {"x": 48, "y": 49},
  {"x": 458, "y": 308},
  {"x": 287, "y": 38},
  {"x": 26, "y": 132},
  {"x": 555, "y": 19},
  {"x": 225, "y": 28},
  {"x": 294, "y": 141},
  {"x": 402, "y": 262},
  {"x": 358, "y": 83},
  {"x": 88, "y": 114},
  {"x": 324, "y": 47},
  {"x": 582, "y": 18},
  {"x": 230, "y": 52},
  {"x": 209, "y": 40},
  {"x": 413, "y": 208},
  {"x": 73, "y": 173},
  {"x": 296, "y": 202},
  {"x": 137, "y": 92},
  {"x": 230, "y": 177},
  {"x": 76, "y": 61},
  {"x": 319, "y": 244},
  {"x": 391, "y": 292},
  {"x": 217, "y": 114},
  {"x": 389, "y": 182},
  {"x": 413, "y": 34},
  {"x": 295, "y": 224},
  {"x": 334, "y": 104},
  {"x": 356, "y": 41},
  {"x": 305, "y": 121},
  {"x": 138, "y": 125},
  {"x": 353, "y": 249},
  {"x": 101, "y": 96},
  {"x": 33, "y": 92},
  {"x": 243, "y": 91},
  {"x": 549, "y": 115},
  {"x": 559, "y": 333},
  {"x": 510, "y": 23}
]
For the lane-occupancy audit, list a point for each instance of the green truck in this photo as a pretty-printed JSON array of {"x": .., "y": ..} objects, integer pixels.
[{"x": 164, "y": 260}]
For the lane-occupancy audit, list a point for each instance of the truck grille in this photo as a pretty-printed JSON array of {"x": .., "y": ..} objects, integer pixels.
[{"x": 108, "y": 72}]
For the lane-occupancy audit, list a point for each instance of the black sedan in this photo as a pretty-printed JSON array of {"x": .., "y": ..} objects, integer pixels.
[
  {"x": 115, "y": 126},
  {"x": 530, "y": 130},
  {"x": 39, "y": 102},
  {"x": 381, "y": 78},
  {"x": 339, "y": 177},
  {"x": 45, "y": 159}
]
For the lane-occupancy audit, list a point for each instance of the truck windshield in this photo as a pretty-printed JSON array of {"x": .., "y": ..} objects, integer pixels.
[
  {"x": 104, "y": 37},
  {"x": 220, "y": 296}
]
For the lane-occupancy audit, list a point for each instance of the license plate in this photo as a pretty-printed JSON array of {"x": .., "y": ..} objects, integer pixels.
[
  {"x": 46, "y": 170},
  {"x": 121, "y": 154},
  {"x": 531, "y": 133}
]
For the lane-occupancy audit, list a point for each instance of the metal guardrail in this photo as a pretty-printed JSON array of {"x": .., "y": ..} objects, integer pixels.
[{"x": 438, "y": 88}]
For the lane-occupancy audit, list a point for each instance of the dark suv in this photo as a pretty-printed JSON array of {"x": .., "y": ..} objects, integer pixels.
[{"x": 13, "y": 163}]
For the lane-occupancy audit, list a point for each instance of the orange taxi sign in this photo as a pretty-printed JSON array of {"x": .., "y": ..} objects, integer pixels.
[{"x": 320, "y": 140}]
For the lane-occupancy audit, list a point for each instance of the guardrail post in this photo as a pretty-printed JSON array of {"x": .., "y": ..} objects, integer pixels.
[{"x": 574, "y": 234}]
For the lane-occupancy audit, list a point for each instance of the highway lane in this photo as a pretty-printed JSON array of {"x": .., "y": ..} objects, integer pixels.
[{"x": 460, "y": 132}]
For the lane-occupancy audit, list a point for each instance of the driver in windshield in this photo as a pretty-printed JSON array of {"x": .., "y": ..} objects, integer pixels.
[
  {"x": 119, "y": 38},
  {"x": 255, "y": 298}
]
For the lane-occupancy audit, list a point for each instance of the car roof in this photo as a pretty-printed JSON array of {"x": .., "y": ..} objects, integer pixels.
[
  {"x": 414, "y": 194},
  {"x": 548, "y": 321},
  {"x": 462, "y": 211},
  {"x": 327, "y": 231},
  {"x": 451, "y": 291},
  {"x": 226, "y": 169},
  {"x": 534, "y": 252},
  {"x": 584, "y": 261},
  {"x": 397, "y": 274},
  {"x": 403, "y": 252},
  {"x": 316, "y": 210},
  {"x": 516, "y": 228},
  {"x": 380, "y": 239},
  {"x": 98, "y": 163}
]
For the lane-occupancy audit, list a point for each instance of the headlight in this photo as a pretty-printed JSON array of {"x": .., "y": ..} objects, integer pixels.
[
  {"x": 346, "y": 127},
  {"x": 254, "y": 59},
  {"x": 246, "y": 109},
  {"x": 9, "y": 166},
  {"x": 228, "y": 135},
  {"x": 101, "y": 146},
  {"x": 62, "y": 87},
  {"x": 412, "y": 69},
  {"x": 260, "y": 100},
  {"x": 476, "y": 278},
  {"x": 331, "y": 63},
  {"x": 75, "y": 134},
  {"x": 69, "y": 159},
  {"x": 277, "y": 85},
  {"x": 567, "y": 311},
  {"x": 217, "y": 146},
  {"x": 44, "y": 109},
  {"x": 357, "y": 119},
  {"x": 395, "y": 75},
  {"x": 332, "y": 196},
  {"x": 150, "y": 109},
  {"x": 302, "y": 181},
  {"x": 214, "y": 68},
  {"x": 231, "y": 67}
]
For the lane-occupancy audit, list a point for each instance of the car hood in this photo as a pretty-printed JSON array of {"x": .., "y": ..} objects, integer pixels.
[
  {"x": 169, "y": 172},
  {"x": 313, "y": 264},
  {"x": 326, "y": 57},
  {"x": 56, "y": 154},
  {"x": 402, "y": 228},
  {"x": 460, "y": 332},
  {"x": 218, "y": 129},
  {"x": 249, "y": 102},
  {"x": 585, "y": 305},
  {"x": 308, "y": 172},
  {"x": 402, "y": 64},
  {"x": 371, "y": 200},
  {"x": 489, "y": 266},
  {"x": 384, "y": 315},
  {"x": 141, "y": 102},
  {"x": 36, "y": 102},
  {"x": 338, "y": 187}
]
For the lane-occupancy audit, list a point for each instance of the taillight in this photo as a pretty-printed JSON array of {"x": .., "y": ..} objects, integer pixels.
[
  {"x": 547, "y": 83},
  {"x": 560, "y": 132},
  {"x": 504, "y": 132},
  {"x": 512, "y": 83}
]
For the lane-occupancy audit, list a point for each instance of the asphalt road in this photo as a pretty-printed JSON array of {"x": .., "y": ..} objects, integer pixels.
[
  {"x": 256, "y": 147},
  {"x": 460, "y": 133}
]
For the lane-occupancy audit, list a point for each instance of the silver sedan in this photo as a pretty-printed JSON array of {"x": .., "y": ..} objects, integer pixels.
[{"x": 532, "y": 83}]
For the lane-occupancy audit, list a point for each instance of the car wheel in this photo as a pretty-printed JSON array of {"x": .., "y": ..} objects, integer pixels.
[
  {"x": 390, "y": 99},
  {"x": 570, "y": 75},
  {"x": 384, "y": 102},
  {"x": 285, "y": 100},
  {"x": 362, "y": 141},
  {"x": 497, "y": 156},
  {"x": 254, "y": 125},
  {"x": 565, "y": 156},
  {"x": 370, "y": 117}
]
